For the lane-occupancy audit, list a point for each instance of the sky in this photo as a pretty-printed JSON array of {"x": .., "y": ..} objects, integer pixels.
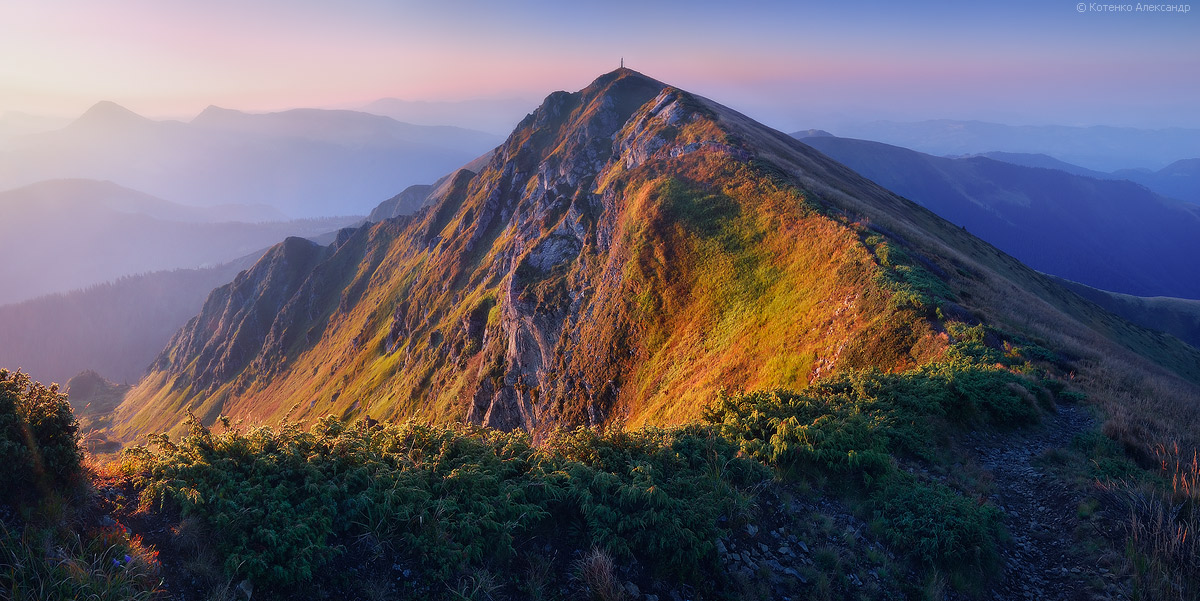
[{"x": 792, "y": 64}]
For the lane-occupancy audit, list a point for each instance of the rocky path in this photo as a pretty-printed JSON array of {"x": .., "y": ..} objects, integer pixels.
[{"x": 1043, "y": 561}]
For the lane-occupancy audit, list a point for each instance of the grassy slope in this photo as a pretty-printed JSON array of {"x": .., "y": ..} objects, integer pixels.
[
  {"x": 725, "y": 282},
  {"x": 739, "y": 264},
  {"x": 1145, "y": 382},
  {"x": 1179, "y": 317}
]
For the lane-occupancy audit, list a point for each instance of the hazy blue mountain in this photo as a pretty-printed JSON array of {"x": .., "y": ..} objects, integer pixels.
[
  {"x": 413, "y": 198},
  {"x": 304, "y": 162},
  {"x": 491, "y": 115},
  {"x": 1099, "y": 147},
  {"x": 405, "y": 203},
  {"x": 62, "y": 235},
  {"x": 1180, "y": 179},
  {"x": 1110, "y": 234},
  {"x": 1043, "y": 161},
  {"x": 115, "y": 328}
]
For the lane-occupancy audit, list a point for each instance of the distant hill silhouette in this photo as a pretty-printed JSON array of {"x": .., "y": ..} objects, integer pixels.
[
  {"x": 115, "y": 328},
  {"x": 1180, "y": 179},
  {"x": 1100, "y": 147},
  {"x": 303, "y": 162},
  {"x": 1109, "y": 234},
  {"x": 64, "y": 235}
]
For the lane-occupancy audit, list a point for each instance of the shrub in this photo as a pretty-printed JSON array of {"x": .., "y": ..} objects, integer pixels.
[
  {"x": 45, "y": 564},
  {"x": 851, "y": 428},
  {"x": 934, "y": 522},
  {"x": 39, "y": 440},
  {"x": 455, "y": 499}
]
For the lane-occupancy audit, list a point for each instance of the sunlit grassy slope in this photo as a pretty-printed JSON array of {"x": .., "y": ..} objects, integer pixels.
[{"x": 628, "y": 252}]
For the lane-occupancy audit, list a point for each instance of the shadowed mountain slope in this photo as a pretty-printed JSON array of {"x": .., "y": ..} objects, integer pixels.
[
  {"x": 1114, "y": 235},
  {"x": 116, "y": 328},
  {"x": 1179, "y": 317}
]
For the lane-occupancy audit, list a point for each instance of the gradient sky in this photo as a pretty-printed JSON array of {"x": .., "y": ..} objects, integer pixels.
[{"x": 790, "y": 64}]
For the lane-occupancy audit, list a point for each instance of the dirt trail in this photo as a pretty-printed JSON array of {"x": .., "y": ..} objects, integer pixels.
[{"x": 1042, "y": 561}]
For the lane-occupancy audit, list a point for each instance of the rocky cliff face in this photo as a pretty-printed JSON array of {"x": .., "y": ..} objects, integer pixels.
[{"x": 630, "y": 250}]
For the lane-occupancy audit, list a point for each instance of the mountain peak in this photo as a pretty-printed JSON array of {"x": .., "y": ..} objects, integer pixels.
[
  {"x": 214, "y": 113},
  {"x": 108, "y": 114},
  {"x": 630, "y": 250}
]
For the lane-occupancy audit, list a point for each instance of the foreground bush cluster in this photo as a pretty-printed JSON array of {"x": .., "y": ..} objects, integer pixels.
[
  {"x": 47, "y": 552},
  {"x": 852, "y": 427},
  {"x": 463, "y": 504},
  {"x": 39, "y": 448},
  {"x": 456, "y": 498},
  {"x": 460, "y": 499}
]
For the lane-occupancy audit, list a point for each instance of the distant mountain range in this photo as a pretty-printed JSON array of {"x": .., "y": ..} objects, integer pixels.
[
  {"x": 412, "y": 198},
  {"x": 1100, "y": 148},
  {"x": 69, "y": 234},
  {"x": 303, "y": 162},
  {"x": 491, "y": 115},
  {"x": 1110, "y": 234},
  {"x": 13, "y": 123},
  {"x": 115, "y": 328},
  {"x": 1180, "y": 179}
]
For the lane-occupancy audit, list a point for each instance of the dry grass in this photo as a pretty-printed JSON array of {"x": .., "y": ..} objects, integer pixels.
[
  {"x": 599, "y": 577},
  {"x": 1164, "y": 521}
]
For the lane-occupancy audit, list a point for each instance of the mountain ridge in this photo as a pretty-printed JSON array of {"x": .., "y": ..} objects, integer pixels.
[
  {"x": 72, "y": 234},
  {"x": 630, "y": 250},
  {"x": 1114, "y": 235},
  {"x": 1104, "y": 148},
  {"x": 304, "y": 162}
]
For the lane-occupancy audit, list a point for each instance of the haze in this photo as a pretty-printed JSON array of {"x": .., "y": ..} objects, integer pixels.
[{"x": 792, "y": 65}]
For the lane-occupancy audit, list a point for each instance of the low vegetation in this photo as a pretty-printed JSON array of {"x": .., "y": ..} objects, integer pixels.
[
  {"x": 474, "y": 513},
  {"x": 48, "y": 549},
  {"x": 452, "y": 501},
  {"x": 856, "y": 429}
]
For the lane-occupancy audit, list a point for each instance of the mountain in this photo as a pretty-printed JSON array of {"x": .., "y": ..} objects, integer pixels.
[
  {"x": 490, "y": 115},
  {"x": 1179, "y": 317},
  {"x": 13, "y": 124},
  {"x": 412, "y": 198},
  {"x": 80, "y": 195},
  {"x": 627, "y": 253},
  {"x": 76, "y": 233},
  {"x": 1113, "y": 235},
  {"x": 303, "y": 162},
  {"x": 1099, "y": 147},
  {"x": 1041, "y": 161},
  {"x": 1180, "y": 179},
  {"x": 407, "y": 202},
  {"x": 115, "y": 328}
]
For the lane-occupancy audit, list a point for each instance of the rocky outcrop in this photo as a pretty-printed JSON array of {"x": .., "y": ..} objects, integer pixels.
[{"x": 229, "y": 332}]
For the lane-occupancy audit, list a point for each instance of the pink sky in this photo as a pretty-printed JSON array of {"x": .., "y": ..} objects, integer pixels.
[{"x": 788, "y": 64}]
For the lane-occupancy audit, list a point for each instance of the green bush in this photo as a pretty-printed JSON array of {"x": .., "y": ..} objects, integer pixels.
[
  {"x": 39, "y": 440},
  {"x": 852, "y": 427},
  {"x": 934, "y": 522},
  {"x": 454, "y": 499}
]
